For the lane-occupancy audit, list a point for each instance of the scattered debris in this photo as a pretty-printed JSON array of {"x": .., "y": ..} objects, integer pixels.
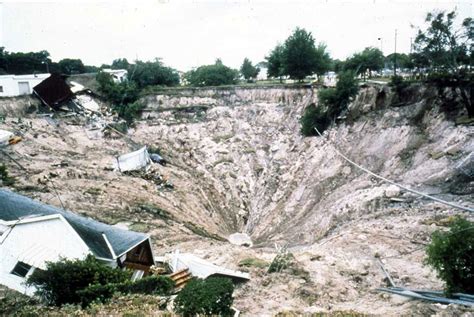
[
  {"x": 241, "y": 239},
  {"x": 133, "y": 161},
  {"x": 434, "y": 296},
  {"x": 152, "y": 175},
  {"x": 201, "y": 268}
]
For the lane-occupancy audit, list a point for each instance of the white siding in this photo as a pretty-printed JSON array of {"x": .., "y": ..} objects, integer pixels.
[
  {"x": 10, "y": 84},
  {"x": 36, "y": 243}
]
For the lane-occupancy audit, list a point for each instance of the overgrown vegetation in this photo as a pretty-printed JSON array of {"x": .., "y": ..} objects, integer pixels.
[
  {"x": 212, "y": 296},
  {"x": 332, "y": 101},
  {"x": 86, "y": 281},
  {"x": 123, "y": 96},
  {"x": 61, "y": 281},
  {"x": 151, "y": 285},
  {"x": 451, "y": 254}
]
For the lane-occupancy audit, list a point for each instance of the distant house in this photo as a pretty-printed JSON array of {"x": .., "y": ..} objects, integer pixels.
[
  {"x": 32, "y": 234},
  {"x": 17, "y": 85},
  {"x": 119, "y": 75}
]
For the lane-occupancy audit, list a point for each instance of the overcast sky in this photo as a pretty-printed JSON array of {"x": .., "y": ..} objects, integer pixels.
[{"x": 187, "y": 34}]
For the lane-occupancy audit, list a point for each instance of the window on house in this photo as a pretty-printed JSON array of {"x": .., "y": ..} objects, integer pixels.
[
  {"x": 21, "y": 269},
  {"x": 1, "y": 88}
]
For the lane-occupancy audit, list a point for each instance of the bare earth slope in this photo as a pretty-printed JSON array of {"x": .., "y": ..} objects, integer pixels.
[{"x": 239, "y": 164}]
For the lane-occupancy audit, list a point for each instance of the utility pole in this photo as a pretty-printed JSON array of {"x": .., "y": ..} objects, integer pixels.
[
  {"x": 395, "y": 56},
  {"x": 380, "y": 39}
]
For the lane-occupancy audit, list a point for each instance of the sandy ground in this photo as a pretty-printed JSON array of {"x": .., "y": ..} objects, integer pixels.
[{"x": 247, "y": 169}]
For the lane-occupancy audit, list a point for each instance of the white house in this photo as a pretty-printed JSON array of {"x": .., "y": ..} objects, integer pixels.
[
  {"x": 119, "y": 75},
  {"x": 32, "y": 233},
  {"x": 17, "y": 85}
]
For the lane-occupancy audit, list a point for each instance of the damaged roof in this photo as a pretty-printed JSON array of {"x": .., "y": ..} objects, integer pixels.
[
  {"x": 53, "y": 90},
  {"x": 14, "y": 207}
]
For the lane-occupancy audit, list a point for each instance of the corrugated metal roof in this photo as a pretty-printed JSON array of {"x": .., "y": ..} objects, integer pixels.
[{"x": 14, "y": 206}]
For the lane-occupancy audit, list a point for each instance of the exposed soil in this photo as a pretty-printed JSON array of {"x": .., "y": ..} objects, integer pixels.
[{"x": 238, "y": 163}]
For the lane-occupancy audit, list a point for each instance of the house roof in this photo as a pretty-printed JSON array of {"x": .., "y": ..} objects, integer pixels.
[
  {"x": 53, "y": 90},
  {"x": 14, "y": 207}
]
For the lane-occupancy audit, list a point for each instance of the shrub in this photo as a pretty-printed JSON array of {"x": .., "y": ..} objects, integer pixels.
[
  {"x": 332, "y": 101},
  {"x": 212, "y": 296},
  {"x": 96, "y": 293},
  {"x": 123, "y": 96},
  {"x": 281, "y": 262},
  {"x": 398, "y": 83},
  {"x": 151, "y": 285},
  {"x": 451, "y": 254},
  {"x": 314, "y": 117},
  {"x": 61, "y": 281},
  {"x": 5, "y": 178},
  {"x": 158, "y": 285}
]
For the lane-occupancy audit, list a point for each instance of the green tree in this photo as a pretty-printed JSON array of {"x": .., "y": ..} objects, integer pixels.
[
  {"x": 120, "y": 63},
  {"x": 275, "y": 68},
  {"x": 212, "y": 296},
  {"x": 71, "y": 66},
  {"x": 19, "y": 63},
  {"x": 153, "y": 74},
  {"x": 212, "y": 75},
  {"x": 401, "y": 59},
  {"x": 123, "y": 96},
  {"x": 451, "y": 254},
  {"x": 248, "y": 70},
  {"x": 446, "y": 51},
  {"x": 302, "y": 58},
  {"x": 443, "y": 46},
  {"x": 369, "y": 60}
]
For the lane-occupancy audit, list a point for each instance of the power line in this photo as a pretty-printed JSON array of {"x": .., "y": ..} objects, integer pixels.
[{"x": 394, "y": 183}]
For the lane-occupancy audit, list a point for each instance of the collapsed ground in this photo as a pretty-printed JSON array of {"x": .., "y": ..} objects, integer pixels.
[{"x": 237, "y": 163}]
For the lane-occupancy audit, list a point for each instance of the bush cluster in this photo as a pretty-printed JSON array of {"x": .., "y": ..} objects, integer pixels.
[
  {"x": 123, "y": 96},
  {"x": 88, "y": 280},
  {"x": 151, "y": 285},
  {"x": 212, "y": 296},
  {"x": 451, "y": 254},
  {"x": 332, "y": 101}
]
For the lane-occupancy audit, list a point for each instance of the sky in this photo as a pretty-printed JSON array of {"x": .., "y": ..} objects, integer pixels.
[{"x": 190, "y": 33}]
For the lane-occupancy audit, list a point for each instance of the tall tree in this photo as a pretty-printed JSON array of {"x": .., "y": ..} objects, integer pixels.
[
  {"x": 71, "y": 66},
  {"x": 275, "y": 62},
  {"x": 120, "y": 63},
  {"x": 369, "y": 60},
  {"x": 444, "y": 46},
  {"x": 301, "y": 57},
  {"x": 248, "y": 70},
  {"x": 153, "y": 73}
]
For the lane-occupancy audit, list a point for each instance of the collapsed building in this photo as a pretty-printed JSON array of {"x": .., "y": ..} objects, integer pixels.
[{"x": 33, "y": 233}]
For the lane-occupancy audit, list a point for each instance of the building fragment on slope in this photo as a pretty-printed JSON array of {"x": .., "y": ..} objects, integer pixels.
[
  {"x": 53, "y": 91},
  {"x": 201, "y": 268},
  {"x": 32, "y": 234}
]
